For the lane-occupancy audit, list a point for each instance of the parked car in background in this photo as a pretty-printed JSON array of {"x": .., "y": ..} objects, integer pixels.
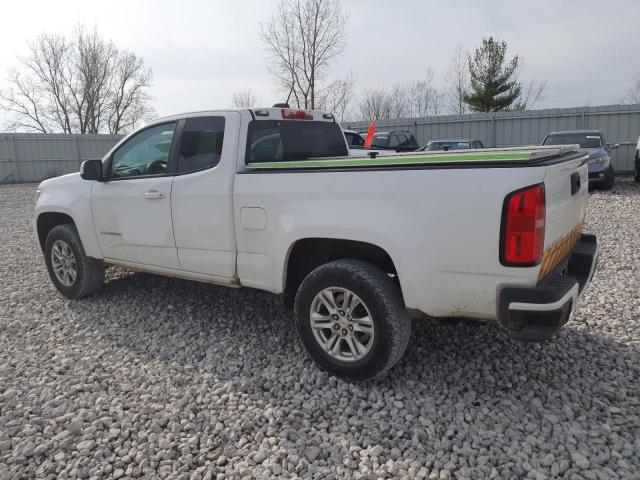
[
  {"x": 601, "y": 172},
  {"x": 636, "y": 170},
  {"x": 457, "y": 144},
  {"x": 398, "y": 140},
  {"x": 354, "y": 139}
]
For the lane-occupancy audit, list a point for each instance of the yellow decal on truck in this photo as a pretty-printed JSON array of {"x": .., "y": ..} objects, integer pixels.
[{"x": 557, "y": 252}]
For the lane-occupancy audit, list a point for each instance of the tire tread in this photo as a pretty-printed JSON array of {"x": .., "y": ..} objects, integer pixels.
[
  {"x": 383, "y": 287},
  {"x": 91, "y": 270}
]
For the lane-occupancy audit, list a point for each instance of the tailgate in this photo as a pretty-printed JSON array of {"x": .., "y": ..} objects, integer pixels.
[{"x": 566, "y": 190}]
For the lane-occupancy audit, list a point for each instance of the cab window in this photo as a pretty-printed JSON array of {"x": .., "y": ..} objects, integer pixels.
[
  {"x": 200, "y": 144},
  {"x": 145, "y": 154},
  {"x": 290, "y": 140},
  {"x": 358, "y": 140}
]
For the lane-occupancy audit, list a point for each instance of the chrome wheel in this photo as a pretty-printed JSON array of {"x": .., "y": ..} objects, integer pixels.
[
  {"x": 63, "y": 263},
  {"x": 341, "y": 324}
]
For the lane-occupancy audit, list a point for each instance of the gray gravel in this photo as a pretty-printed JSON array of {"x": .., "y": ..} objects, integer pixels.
[{"x": 165, "y": 378}]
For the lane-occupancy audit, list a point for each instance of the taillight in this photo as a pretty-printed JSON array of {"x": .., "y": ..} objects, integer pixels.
[
  {"x": 291, "y": 114},
  {"x": 522, "y": 230}
]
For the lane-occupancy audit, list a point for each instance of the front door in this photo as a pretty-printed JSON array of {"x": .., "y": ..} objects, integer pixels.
[{"x": 132, "y": 207}]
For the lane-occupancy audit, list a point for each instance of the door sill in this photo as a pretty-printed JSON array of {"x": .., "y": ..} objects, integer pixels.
[{"x": 170, "y": 272}]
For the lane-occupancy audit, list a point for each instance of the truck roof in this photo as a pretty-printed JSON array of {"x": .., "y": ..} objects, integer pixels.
[
  {"x": 453, "y": 140},
  {"x": 261, "y": 113},
  {"x": 389, "y": 132},
  {"x": 588, "y": 132}
]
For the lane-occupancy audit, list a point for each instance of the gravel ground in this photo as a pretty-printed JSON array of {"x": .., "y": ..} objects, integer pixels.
[{"x": 164, "y": 378}]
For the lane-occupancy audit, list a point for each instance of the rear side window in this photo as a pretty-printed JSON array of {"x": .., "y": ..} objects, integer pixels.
[
  {"x": 354, "y": 139},
  {"x": 404, "y": 141},
  {"x": 291, "y": 140},
  {"x": 201, "y": 144}
]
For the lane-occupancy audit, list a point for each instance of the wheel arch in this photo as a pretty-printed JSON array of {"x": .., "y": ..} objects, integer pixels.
[
  {"x": 46, "y": 221},
  {"x": 306, "y": 254}
]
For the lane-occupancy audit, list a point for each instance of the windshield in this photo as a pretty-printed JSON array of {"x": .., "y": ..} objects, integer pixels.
[
  {"x": 585, "y": 140},
  {"x": 290, "y": 140},
  {"x": 432, "y": 146}
]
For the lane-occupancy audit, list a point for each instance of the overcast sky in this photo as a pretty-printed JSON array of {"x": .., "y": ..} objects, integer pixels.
[{"x": 202, "y": 51}]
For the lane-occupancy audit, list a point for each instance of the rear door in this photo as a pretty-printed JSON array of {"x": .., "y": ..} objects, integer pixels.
[
  {"x": 132, "y": 208},
  {"x": 201, "y": 196}
]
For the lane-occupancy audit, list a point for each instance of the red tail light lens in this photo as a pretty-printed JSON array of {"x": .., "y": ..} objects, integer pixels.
[
  {"x": 523, "y": 220},
  {"x": 291, "y": 114}
]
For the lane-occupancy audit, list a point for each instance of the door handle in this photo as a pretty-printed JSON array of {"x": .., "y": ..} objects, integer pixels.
[
  {"x": 153, "y": 195},
  {"x": 575, "y": 183}
]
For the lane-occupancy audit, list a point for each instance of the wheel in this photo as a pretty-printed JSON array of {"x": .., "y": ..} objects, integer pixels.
[
  {"x": 73, "y": 273},
  {"x": 351, "y": 319},
  {"x": 610, "y": 178},
  {"x": 636, "y": 172}
]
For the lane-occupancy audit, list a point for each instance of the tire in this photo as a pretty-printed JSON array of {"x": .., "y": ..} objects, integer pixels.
[
  {"x": 380, "y": 302},
  {"x": 89, "y": 272},
  {"x": 636, "y": 172},
  {"x": 610, "y": 178}
]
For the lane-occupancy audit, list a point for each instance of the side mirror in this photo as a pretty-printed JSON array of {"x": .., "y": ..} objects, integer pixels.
[
  {"x": 91, "y": 170},
  {"x": 613, "y": 146}
]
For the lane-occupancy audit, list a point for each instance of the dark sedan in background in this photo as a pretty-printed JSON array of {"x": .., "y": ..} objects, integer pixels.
[
  {"x": 601, "y": 173},
  {"x": 398, "y": 140}
]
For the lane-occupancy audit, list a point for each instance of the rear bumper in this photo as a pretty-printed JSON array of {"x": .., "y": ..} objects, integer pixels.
[{"x": 536, "y": 313}]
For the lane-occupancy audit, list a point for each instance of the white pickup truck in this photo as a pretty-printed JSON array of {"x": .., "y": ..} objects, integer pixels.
[{"x": 268, "y": 198}]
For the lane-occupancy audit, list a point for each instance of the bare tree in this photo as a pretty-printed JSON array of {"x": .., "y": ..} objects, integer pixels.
[
  {"x": 532, "y": 94},
  {"x": 374, "y": 105},
  {"x": 632, "y": 94},
  {"x": 399, "y": 102},
  {"x": 244, "y": 99},
  {"x": 418, "y": 99},
  {"x": 303, "y": 38},
  {"x": 77, "y": 84},
  {"x": 335, "y": 98},
  {"x": 424, "y": 98},
  {"x": 458, "y": 81}
]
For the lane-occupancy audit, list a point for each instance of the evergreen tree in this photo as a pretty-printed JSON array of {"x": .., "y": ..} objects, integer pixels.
[{"x": 494, "y": 81}]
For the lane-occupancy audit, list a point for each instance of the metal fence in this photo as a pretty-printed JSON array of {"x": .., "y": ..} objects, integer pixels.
[
  {"x": 31, "y": 157},
  {"x": 619, "y": 123}
]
